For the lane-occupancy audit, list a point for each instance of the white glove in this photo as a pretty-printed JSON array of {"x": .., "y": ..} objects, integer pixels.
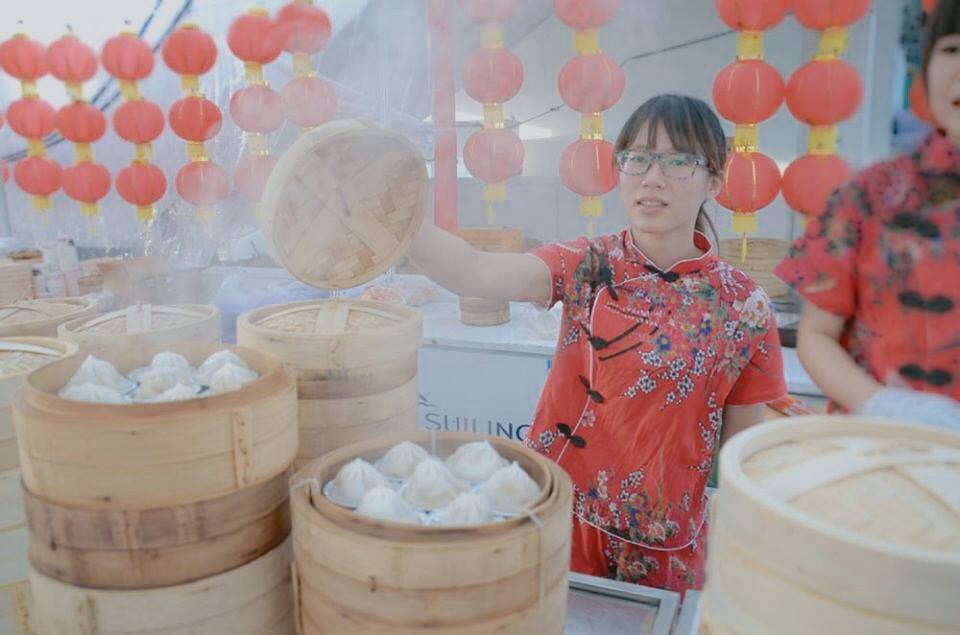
[{"x": 911, "y": 406}]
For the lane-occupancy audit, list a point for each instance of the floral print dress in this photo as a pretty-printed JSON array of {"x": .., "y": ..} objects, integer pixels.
[
  {"x": 632, "y": 409},
  {"x": 885, "y": 255}
]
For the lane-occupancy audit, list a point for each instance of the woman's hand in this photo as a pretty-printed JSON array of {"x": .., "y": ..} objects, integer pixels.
[{"x": 452, "y": 263}]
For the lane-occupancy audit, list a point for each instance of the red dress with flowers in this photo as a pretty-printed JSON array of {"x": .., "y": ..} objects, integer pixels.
[
  {"x": 632, "y": 408},
  {"x": 885, "y": 255}
]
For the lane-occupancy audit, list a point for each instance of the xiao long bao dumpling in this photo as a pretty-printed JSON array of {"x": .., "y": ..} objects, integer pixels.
[
  {"x": 217, "y": 361},
  {"x": 171, "y": 359},
  {"x": 157, "y": 381},
  {"x": 431, "y": 486},
  {"x": 475, "y": 461},
  {"x": 469, "y": 508},
  {"x": 94, "y": 370},
  {"x": 180, "y": 392},
  {"x": 354, "y": 480},
  {"x": 385, "y": 503},
  {"x": 93, "y": 393},
  {"x": 510, "y": 489},
  {"x": 400, "y": 460},
  {"x": 230, "y": 377}
]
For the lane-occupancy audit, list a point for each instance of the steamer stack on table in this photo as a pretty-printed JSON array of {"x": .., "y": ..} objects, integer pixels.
[
  {"x": 478, "y": 311},
  {"x": 764, "y": 254},
  {"x": 18, "y": 357},
  {"x": 835, "y": 525},
  {"x": 159, "y": 517}
]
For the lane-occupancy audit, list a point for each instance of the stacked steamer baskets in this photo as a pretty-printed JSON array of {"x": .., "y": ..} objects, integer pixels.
[
  {"x": 16, "y": 281},
  {"x": 764, "y": 254},
  {"x": 143, "y": 326},
  {"x": 159, "y": 517},
  {"x": 478, "y": 311},
  {"x": 41, "y": 318},
  {"x": 364, "y": 575},
  {"x": 342, "y": 205},
  {"x": 835, "y": 525},
  {"x": 18, "y": 357},
  {"x": 356, "y": 365}
]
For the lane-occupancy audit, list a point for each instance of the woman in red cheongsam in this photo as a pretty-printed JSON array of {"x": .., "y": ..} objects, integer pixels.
[
  {"x": 661, "y": 342},
  {"x": 880, "y": 268}
]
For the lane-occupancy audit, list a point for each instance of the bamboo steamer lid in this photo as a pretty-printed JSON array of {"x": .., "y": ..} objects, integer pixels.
[
  {"x": 344, "y": 203},
  {"x": 851, "y": 525},
  {"x": 42, "y": 317}
]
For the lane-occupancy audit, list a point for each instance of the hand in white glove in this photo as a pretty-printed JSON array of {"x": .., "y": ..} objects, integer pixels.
[{"x": 911, "y": 406}]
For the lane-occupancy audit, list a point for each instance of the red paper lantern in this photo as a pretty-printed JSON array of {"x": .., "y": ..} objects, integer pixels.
[
  {"x": 252, "y": 173},
  {"x": 493, "y": 155},
  {"x": 591, "y": 83},
  {"x": 824, "y": 92},
  {"x": 195, "y": 119},
  {"x": 23, "y": 58},
  {"x": 81, "y": 123},
  {"x": 585, "y": 15},
  {"x": 752, "y": 15},
  {"x": 748, "y": 91},
  {"x": 127, "y": 57},
  {"x": 587, "y": 168},
  {"x": 929, "y": 5},
  {"x": 809, "y": 181},
  {"x": 31, "y": 118},
  {"x": 203, "y": 183},
  {"x": 139, "y": 121},
  {"x": 918, "y": 99},
  {"x": 489, "y": 11},
  {"x": 309, "y": 101},
  {"x": 303, "y": 27},
  {"x": 821, "y": 15},
  {"x": 86, "y": 182},
  {"x": 253, "y": 37},
  {"x": 751, "y": 181},
  {"x": 492, "y": 76},
  {"x": 142, "y": 184},
  {"x": 40, "y": 177},
  {"x": 189, "y": 51},
  {"x": 257, "y": 108},
  {"x": 71, "y": 61}
]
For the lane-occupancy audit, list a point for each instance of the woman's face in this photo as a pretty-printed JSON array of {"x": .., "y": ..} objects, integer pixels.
[
  {"x": 662, "y": 189},
  {"x": 943, "y": 84}
]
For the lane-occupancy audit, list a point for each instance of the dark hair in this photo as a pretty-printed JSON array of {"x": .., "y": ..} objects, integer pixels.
[
  {"x": 944, "y": 21},
  {"x": 692, "y": 127}
]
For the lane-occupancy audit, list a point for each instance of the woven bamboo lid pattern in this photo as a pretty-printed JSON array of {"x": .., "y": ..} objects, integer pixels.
[
  {"x": 144, "y": 317},
  {"x": 334, "y": 318},
  {"x": 18, "y": 358},
  {"x": 32, "y": 310},
  {"x": 344, "y": 203}
]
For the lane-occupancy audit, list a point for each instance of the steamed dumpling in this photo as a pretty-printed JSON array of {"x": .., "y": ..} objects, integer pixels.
[
  {"x": 168, "y": 358},
  {"x": 93, "y": 393},
  {"x": 475, "y": 462},
  {"x": 217, "y": 361},
  {"x": 180, "y": 392},
  {"x": 355, "y": 479},
  {"x": 432, "y": 486},
  {"x": 386, "y": 504},
  {"x": 401, "y": 459},
  {"x": 230, "y": 377},
  {"x": 469, "y": 508},
  {"x": 157, "y": 381},
  {"x": 510, "y": 489},
  {"x": 100, "y": 372}
]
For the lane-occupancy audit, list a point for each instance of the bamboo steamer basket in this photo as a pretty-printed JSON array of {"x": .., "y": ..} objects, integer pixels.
[
  {"x": 160, "y": 547},
  {"x": 40, "y": 318},
  {"x": 142, "y": 456},
  {"x": 15, "y": 603},
  {"x": 835, "y": 525},
  {"x": 484, "y": 312},
  {"x": 16, "y": 282},
  {"x": 19, "y": 356},
  {"x": 480, "y": 312},
  {"x": 254, "y": 599},
  {"x": 356, "y": 362},
  {"x": 363, "y": 576},
  {"x": 344, "y": 203},
  {"x": 763, "y": 255},
  {"x": 141, "y": 326}
]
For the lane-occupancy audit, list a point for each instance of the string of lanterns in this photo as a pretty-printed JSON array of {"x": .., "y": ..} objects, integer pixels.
[{"x": 308, "y": 100}]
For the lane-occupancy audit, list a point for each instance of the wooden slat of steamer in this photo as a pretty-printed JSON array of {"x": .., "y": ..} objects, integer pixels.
[
  {"x": 47, "y": 316},
  {"x": 156, "y": 547},
  {"x": 480, "y": 312},
  {"x": 344, "y": 203},
  {"x": 254, "y": 599},
  {"x": 318, "y": 440},
  {"x": 140, "y": 456}
]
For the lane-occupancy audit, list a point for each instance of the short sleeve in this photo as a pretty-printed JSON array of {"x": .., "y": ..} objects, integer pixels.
[
  {"x": 762, "y": 378},
  {"x": 562, "y": 259},
  {"x": 822, "y": 264}
]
